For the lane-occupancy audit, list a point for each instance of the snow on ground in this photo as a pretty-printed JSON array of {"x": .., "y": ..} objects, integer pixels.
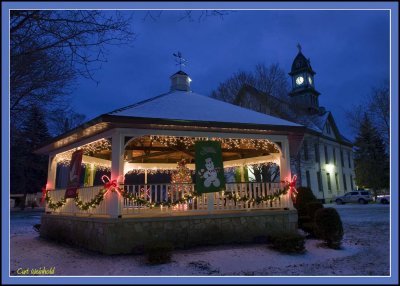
[{"x": 365, "y": 253}]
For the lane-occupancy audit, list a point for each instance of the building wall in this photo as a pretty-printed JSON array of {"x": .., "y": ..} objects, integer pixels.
[{"x": 307, "y": 161}]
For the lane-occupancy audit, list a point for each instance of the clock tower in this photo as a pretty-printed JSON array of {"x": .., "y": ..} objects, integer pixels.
[{"x": 303, "y": 92}]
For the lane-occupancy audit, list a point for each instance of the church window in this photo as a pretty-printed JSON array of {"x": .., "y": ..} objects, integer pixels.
[
  {"x": 320, "y": 188},
  {"x": 305, "y": 150},
  {"x": 316, "y": 149},
  {"x": 326, "y": 154},
  {"x": 328, "y": 176},
  {"x": 328, "y": 128}
]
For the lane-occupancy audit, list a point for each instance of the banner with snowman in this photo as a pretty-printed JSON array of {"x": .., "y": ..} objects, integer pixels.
[{"x": 209, "y": 167}]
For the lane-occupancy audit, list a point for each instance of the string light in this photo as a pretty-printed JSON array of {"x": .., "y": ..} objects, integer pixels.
[
  {"x": 226, "y": 143},
  {"x": 88, "y": 149},
  {"x": 153, "y": 171}
]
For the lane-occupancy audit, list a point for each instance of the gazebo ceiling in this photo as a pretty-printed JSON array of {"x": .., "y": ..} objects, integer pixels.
[{"x": 167, "y": 149}]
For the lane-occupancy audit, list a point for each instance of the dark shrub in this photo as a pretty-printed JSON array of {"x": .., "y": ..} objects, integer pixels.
[
  {"x": 328, "y": 227},
  {"x": 159, "y": 253},
  {"x": 303, "y": 220},
  {"x": 304, "y": 196},
  {"x": 312, "y": 207},
  {"x": 308, "y": 225},
  {"x": 287, "y": 242},
  {"x": 36, "y": 227}
]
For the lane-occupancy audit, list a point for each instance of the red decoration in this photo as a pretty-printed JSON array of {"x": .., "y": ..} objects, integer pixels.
[
  {"x": 44, "y": 192},
  {"x": 110, "y": 185},
  {"x": 292, "y": 188},
  {"x": 74, "y": 174},
  {"x": 146, "y": 191}
]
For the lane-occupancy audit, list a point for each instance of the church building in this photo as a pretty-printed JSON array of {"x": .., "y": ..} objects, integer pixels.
[{"x": 323, "y": 159}]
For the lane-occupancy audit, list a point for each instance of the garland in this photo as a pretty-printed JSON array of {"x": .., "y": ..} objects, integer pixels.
[
  {"x": 143, "y": 202},
  {"x": 92, "y": 203},
  {"x": 78, "y": 202},
  {"x": 258, "y": 199},
  {"x": 54, "y": 205}
]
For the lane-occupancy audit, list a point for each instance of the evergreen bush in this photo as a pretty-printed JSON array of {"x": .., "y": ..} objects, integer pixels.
[
  {"x": 287, "y": 242},
  {"x": 304, "y": 196},
  {"x": 159, "y": 253},
  {"x": 312, "y": 208},
  {"x": 309, "y": 225},
  {"x": 328, "y": 227}
]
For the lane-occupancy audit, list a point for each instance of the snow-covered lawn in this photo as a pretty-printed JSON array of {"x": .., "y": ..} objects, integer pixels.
[{"x": 365, "y": 252}]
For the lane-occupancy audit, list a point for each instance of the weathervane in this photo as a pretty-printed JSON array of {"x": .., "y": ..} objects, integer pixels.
[
  {"x": 179, "y": 60},
  {"x": 299, "y": 47}
]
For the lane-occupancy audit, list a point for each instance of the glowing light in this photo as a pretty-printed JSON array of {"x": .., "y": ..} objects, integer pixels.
[
  {"x": 330, "y": 167},
  {"x": 226, "y": 143}
]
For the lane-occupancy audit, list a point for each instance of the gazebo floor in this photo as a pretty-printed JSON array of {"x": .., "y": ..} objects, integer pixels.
[{"x": 132, "y": 233}]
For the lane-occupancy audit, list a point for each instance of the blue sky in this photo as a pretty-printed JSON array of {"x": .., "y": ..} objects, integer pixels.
[{"x": 349, "y": 50}]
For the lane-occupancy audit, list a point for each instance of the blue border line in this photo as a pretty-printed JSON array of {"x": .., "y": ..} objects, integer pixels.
[{"x": 197, "y": 280}]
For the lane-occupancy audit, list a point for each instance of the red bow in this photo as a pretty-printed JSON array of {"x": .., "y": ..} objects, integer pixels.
[
  {"x": 111, "y": 185},
  {"x": 147, "y": 192},
  {"x": 44, "y": 192},
  {"x": 292, "y": 188}
]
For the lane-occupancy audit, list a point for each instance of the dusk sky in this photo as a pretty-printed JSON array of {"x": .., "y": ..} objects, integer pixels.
[{"x": 349, "y": 51}]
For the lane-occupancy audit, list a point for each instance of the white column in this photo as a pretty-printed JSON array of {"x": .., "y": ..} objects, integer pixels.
[
  {"x": 242, "y": 173},
  {"x": 51, "y": 173},
  {"x": 91, "y": 181},
  {"x": 285, "y": 168},
  {"x": 210, "y": 201},
  {"x": 114, "y": 200}
]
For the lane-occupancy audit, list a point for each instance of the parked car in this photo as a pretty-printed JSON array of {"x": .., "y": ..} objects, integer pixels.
[
  {"x": 359, "y": 196},
  {"x": 383, "y": 199}
]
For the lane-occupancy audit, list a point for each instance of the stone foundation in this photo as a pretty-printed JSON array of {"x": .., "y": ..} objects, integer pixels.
[{"x": 131, "y": 235}]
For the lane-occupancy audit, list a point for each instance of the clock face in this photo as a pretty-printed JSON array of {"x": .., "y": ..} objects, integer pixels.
[
  {"x": 299, "y": 80},
  {"x": 310, "y": 79}
]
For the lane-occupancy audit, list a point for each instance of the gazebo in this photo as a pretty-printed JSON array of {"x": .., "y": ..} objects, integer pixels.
[{"x": 139, "y": 175}]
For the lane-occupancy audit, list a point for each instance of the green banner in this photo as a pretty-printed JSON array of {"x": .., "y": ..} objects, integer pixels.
[{"x": 209, "y": 167}]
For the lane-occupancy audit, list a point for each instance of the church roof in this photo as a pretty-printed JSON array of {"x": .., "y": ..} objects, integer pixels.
[
  {"x": 283, "y": 109},
  {"x": 190, "y": 106},
  {"x": 180, "y": 72},
  {"x": 301, "y": 63}
]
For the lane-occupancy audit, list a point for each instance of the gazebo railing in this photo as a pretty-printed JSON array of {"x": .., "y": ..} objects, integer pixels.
[
  {"x": 86, "y": 194},
  {"x": 166, "y": 197},
  {"x": 153, "y": 198}
]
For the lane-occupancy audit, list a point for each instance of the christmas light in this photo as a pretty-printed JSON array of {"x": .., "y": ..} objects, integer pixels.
[
  {"x": 226, "y": 143},
  {"x": 181, "y": 178},
  {"x": 88, "y": 149}
]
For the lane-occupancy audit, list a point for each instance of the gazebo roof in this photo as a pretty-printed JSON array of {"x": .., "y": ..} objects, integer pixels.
[
  {"x": 182, "y": 109},
  {"x": 190, "y": 106}
]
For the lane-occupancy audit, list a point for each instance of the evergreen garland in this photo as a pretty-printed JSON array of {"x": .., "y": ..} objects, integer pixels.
[
  {"x": 92, "y": 203},
  {"x": 143, "y": 202}
]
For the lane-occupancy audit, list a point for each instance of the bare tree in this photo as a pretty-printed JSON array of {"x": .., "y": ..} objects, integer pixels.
[
  {"x": 189, "y": 15},
  {"x": 50, "y": 48},
  {"x": 268, "y": 172},
  {"x": 63, "y": 120},
  {"x": 271, "y": 80},
  {"x": 377, "y": 107},
  {"x": 227, "y": 90}
]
